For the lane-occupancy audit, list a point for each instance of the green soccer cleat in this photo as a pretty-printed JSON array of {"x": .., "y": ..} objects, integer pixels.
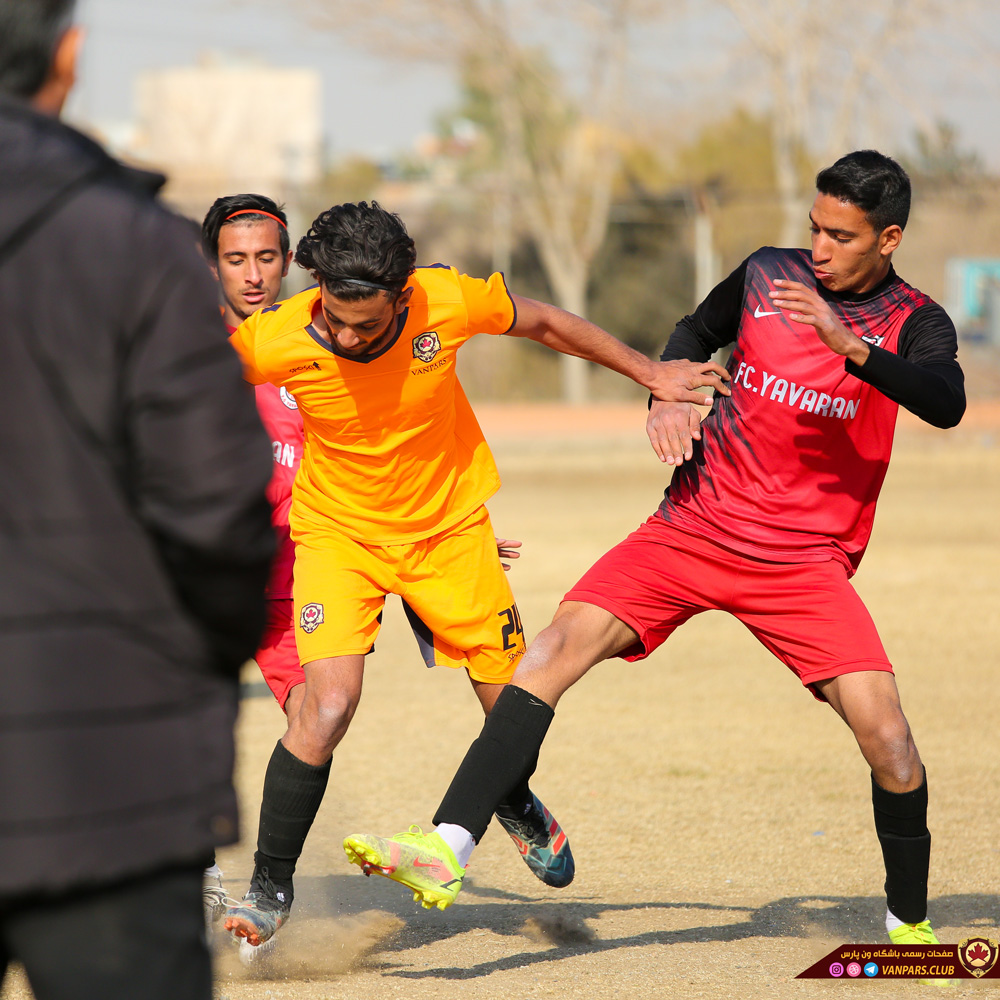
[
  {"x": 421, "y": 861},
  {"x": 921, "y": 933}
]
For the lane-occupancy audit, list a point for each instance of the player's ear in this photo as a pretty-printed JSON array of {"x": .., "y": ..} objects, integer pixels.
[
  {"x": 288, "y": 262},
  {"x": 62, "y": 72},
  {"x": 403, "y": 299},
  {"x": 889, "y": 240}
]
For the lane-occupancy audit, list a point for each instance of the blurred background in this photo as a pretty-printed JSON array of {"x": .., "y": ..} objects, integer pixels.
[{"x": 617, "y": 157}]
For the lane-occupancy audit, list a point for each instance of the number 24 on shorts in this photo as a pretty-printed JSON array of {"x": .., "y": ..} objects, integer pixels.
[{"x": 512, "y": 628}]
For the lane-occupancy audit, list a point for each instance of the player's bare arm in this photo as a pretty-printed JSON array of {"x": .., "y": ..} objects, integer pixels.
[
  {"x": 806, "y": 305},
  {"x": 672, "y": 429},
  {"x": 676, "y": 381}
]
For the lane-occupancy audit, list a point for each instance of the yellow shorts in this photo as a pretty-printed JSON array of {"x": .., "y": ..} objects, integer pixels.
[{"x": 456, "y": 593}]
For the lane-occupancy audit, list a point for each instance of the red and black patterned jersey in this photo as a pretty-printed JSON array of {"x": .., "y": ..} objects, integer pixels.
[{"x": 790, "y": 465}]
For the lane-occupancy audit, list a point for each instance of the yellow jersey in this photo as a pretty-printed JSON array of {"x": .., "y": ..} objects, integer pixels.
[{"x": 393, "y": 452}]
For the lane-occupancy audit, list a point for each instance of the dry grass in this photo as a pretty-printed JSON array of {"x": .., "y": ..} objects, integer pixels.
[{"x": 720, "y": 817}]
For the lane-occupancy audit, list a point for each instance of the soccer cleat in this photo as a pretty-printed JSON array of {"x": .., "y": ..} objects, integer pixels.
[
  {"x": 421, "y": 861},
  {"x": 921, "y": 933},
  {"x": 263, "y": 910},
  {"x": 542, "y": 844},
  {"x": 213, "y": 896}
]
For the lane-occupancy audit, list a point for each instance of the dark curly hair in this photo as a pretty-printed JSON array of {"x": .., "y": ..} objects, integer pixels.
[
  {"x": 873, "y": 182},
  {"x": 222, "y": 208},
  {"x": 354, "y": 243}
]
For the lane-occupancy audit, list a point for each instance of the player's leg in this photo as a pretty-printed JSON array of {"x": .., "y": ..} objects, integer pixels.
[
  {"x": 503, "y": 757},
  {"x": 831, "y": 642},
  {"x": 532, "y": 828},
  {"x": 278, "y": 660},
  {"x": 869, "y": 703},
  {"x": 626, "y": 604},
  {"x": 294, "y": 785},
  {"x": 330, "y": 572}
]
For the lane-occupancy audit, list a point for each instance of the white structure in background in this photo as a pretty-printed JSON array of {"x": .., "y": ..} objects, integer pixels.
[{"x": 230, "y": 124}]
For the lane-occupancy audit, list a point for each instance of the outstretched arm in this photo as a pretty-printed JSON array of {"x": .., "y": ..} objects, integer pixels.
[{"x": 562, "y": 331}]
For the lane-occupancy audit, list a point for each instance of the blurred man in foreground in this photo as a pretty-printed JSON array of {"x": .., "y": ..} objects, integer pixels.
[{"x": 135, "y": 542}]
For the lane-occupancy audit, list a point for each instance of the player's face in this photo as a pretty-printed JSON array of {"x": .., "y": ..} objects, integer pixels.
[
  {"x": 362, "y": 327},
  {"x": 847, "y": 254},
  {"x": 250, "y": 267}
]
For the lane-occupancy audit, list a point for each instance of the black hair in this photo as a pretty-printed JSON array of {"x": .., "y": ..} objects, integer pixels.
[
  {"x": 222, "y": 208},
  {"x": 29, "y": 33},
  {"x": 358, "y": 243},
  {"x": 874, "y": 182}
]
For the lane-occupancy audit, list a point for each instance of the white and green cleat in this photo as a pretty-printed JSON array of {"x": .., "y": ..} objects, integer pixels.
[{"x": 421, "y": 861}]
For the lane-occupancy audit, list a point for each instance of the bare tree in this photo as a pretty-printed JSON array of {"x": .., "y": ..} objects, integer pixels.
[
  {"x": 823, "y": 65},
  {"x": 556, "y": 149}
]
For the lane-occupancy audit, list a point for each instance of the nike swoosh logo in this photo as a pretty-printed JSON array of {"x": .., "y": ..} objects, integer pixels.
[
  {"x": 758, "y": 312},
  {"x": 417, "y": 863}
]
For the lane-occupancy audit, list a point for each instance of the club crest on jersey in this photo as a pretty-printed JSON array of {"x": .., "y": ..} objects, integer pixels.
[
  {"x": 872, "y": 338},
  {"x": 426, "y": 346},
  {"x": 287, "y": 398},
  {"x": 310, "y": 617}
]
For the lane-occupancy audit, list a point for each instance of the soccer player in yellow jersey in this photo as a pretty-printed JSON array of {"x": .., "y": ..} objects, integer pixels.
[{"x": 390, "y": 499}]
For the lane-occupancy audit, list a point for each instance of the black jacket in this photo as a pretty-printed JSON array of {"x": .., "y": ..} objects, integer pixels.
[{"x": 134, "y": 534}]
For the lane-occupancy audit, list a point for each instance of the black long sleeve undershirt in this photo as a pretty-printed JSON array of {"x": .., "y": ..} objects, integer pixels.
[{"x": 924, "y": 376}]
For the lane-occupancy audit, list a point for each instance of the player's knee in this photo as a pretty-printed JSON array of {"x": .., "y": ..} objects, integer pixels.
[
  {"x": 890, "y": 749},
  {"x": 331, "y": 714}
]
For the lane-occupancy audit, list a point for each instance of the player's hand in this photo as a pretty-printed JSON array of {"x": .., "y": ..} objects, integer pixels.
[
  {"x": 672, "y": 427},
  {"x": 507, "y": 549},
  {"x": 806, "y": 305},
  {"x": 676, "y": 381}
]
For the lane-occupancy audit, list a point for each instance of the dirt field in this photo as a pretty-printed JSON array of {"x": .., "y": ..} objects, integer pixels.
[{"x": 720, "y": 817}]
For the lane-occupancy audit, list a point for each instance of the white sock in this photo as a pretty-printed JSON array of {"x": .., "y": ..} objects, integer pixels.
[
  {"x": 892, "y": 921},
  {"x": 214, "y": 871},
  {"x": 459, "y": 840}
]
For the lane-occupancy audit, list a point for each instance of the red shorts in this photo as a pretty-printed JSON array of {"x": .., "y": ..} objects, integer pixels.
[
  {"x": 277, "y": 657},
  {"x": 807, "y": 614}
]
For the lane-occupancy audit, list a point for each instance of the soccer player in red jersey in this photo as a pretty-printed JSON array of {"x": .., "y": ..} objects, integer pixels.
[
  {"x": 768, "y": 513},
  {"x": 244, "y": 238}
]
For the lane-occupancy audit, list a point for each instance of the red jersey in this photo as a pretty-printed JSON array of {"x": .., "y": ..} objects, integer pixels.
[
  {"x": 283, "y": 423},
  {"x": 791, "y": 464},
  {"x": 279, "y": 413}
]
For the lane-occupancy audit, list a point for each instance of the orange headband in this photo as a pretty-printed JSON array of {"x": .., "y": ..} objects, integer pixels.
[{"x": 255, "y": 211}]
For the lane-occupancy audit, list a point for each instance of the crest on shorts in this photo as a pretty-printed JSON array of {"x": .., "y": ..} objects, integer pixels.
[
  {"x": 978, "y": 955},
  {"x": 287, "y": 398},
  {"x": 426, "y": 346},
  {"x": 310, "y": 617}
]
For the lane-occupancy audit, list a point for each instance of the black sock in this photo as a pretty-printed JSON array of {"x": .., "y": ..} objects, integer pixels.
[
  {"x": 517, "y": 802},
  {"x": 293, "y": 791},
  {"x": 901, "y": 825},
  {"x": 502, "y": 759}
]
